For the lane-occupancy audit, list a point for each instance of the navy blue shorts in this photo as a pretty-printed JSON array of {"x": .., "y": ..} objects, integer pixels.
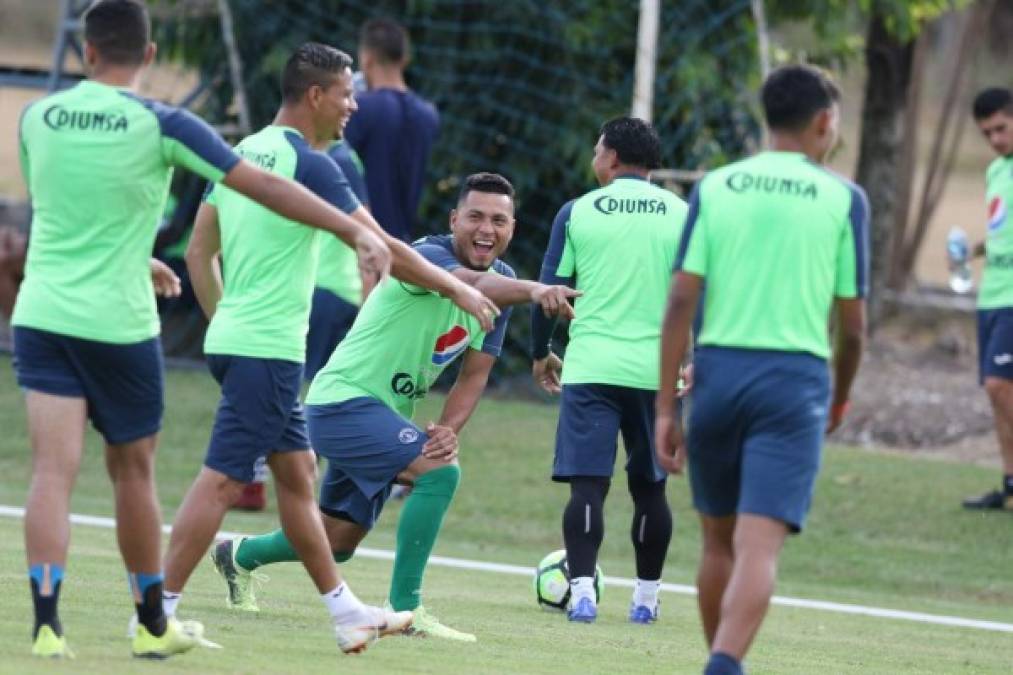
[
  {"x": 121, "y": 384},
  {"x": 330, "y": 319},
  {"x": 591, "y": 417},
  {"x": 755, "y": 432},
  {"x": 367, "y": 444},
  {"x": 259, "y": 413},
  {"x": 995, "y": 343}
]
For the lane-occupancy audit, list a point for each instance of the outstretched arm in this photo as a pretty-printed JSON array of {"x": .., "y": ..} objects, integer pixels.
[{"x": 505, "y": 291}]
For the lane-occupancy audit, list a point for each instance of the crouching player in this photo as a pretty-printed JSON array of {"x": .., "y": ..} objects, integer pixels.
[{"x": 360, "y": 405}]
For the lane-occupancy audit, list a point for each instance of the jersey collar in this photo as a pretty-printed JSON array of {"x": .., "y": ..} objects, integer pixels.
[{"x": 632, "y": 176}]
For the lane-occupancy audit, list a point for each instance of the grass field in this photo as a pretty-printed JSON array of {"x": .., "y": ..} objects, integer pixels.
[{"x": 886, "y": 531}]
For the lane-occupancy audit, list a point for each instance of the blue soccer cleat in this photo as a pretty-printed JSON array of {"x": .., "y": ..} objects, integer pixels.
[
  {"x": 584, "y": 611},
  {"x": 643, "y": 614}
]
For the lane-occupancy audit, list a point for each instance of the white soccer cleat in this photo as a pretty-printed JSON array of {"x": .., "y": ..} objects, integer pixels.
[{"x": 355, "y": 637}]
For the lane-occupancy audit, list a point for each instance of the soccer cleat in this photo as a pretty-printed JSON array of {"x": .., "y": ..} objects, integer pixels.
[
  {"x": 643, "y": 614},
  {"x": 239, "y": 581},
  {"x": 252, "y": 498},
  {"x": 49, "y": 644},
  {"x": 354, "y": 638},
  {"x": 997, "y": 500},
  {"x": 584, "y": 611},
  {"x": 179, "y": 637},
  {"x": 427, "y": 625}
]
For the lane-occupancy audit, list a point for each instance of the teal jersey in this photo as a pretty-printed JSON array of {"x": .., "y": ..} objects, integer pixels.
[
  {"x": 403, "y": 338},
  {"x": 339, "y": 268},
  {"x": 269, "y": 263},
  {"x": 617, "y": 244},
  {"x": 98, "y": 161},
  {"x": 997, "y": 280},
  {"x": 776, "y": 238}
]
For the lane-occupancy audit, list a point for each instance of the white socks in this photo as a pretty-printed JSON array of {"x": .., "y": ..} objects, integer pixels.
[
  {"x": 646, "y": 593},
  {"x": 344, "y": 606},
  {"x": 582, "y": 587},
  {"x": 169, "y": 602}
]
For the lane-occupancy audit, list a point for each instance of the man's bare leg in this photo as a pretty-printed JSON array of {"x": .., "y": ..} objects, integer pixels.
[
  {"x": 56, "y": 432},
  {"x": 715, "y": 570}
]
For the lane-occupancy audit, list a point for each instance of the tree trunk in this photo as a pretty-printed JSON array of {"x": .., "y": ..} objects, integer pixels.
[{"x": 888, "y": 62}]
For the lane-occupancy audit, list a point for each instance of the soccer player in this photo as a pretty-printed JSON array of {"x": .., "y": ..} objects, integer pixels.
[
  {"x": 360, "y": 405},
  {"x": 618, "y": 244},
  {"x": 779, "y": 242},
  {"x": 993, "y": 112},
  {"x": 256, "y": 339},
  {"x": 97, "y": 160},
  {"x": 394, "y": 129}
]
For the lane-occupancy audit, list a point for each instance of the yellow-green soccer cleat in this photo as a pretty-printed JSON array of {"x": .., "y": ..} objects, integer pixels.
[
  {"x": 427, "y": 625},
  {"x": 49, "y": 644},
  {"x": 239, "y": 581},
  {"x": 179, "y": 637}
]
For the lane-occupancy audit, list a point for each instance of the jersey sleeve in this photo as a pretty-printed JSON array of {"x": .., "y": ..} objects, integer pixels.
[
  {"x": 853, "y": 249},
  {"x": 23, "y": 149},
  {"x": 190, "y": 142},
  {"x": 438, "y": 255},
  {"x": 322, "y": 176},
  {"x": 692, "y": 254},
  {"x": 558, "y": 267},
  {"x": 493, "y": 341}
]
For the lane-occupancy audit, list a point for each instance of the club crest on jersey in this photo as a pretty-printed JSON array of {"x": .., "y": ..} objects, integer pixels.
[
  {"x": 407, "y": 435},
  {"x": 449, "y": 345},
  {"x": 996, "y": 214}
]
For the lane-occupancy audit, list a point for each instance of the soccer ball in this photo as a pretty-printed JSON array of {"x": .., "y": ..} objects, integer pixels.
[{"x": 552, "y": 581}]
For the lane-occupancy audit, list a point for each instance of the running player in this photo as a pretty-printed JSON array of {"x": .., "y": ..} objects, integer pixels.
[
  {"x": 96, "y": 159},
  {"x": 361, "y": 404},
  {"x": 619, "y": 243},
  {"x": 780, "y": 242},
  {"x": 256, "y": 340},
  {"x": 993, "y": 112}
]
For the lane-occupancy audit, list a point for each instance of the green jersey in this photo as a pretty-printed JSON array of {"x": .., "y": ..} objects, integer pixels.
[
  {"x": 618, "y": 245},
  {"x": 339, "y": 268},
  {"x": 776, "y": 238},
  {"x": 269, "y": 263},
  {"x": 403, "y": 339},
  {"x": 98, "y": 161},
  {"x": 997, "y": 281}
]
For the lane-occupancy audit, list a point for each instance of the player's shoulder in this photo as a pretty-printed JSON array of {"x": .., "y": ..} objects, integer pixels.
[
  {"x": 443, "y": 242},
  {"x": 997, "y": 167},
  {"x": 501, "y": 267},
  {"x": 853, "y": 193}
]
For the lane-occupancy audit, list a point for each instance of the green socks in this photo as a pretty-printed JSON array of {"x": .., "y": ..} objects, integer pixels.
[
  {"x": 421, "y": 519},
  {"x": 271, "y": 548}
]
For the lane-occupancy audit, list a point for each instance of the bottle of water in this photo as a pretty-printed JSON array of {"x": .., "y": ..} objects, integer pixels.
[{"x": 958, "y": 253}]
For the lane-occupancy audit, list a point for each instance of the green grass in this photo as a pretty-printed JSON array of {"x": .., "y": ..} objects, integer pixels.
[{"x": 886, "y": 530}]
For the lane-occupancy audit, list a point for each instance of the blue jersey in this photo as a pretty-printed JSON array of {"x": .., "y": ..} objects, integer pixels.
[{"x": 393, "y": 131}]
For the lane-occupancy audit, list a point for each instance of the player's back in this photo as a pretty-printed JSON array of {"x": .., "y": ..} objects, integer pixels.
[
  {"x": 621, "y": 243},
  {"x": 776, "y": 237},
  {"x": 269, "y": 263},
  {"x": 394, "y": 132},
  {"x": 98, "y": 163}
]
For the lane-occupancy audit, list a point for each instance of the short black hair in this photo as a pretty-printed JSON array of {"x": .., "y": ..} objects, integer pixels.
[
  {"x": 312, "y": 64},
  {"x": 990, "y": 101},
  {"x": 387, "y": 39},
  {"x": 793, "y": 95},
  {"x": 634, "y": 140},
  {"x": 485, "y": 182},
  {"x": 119, "y": 30}
]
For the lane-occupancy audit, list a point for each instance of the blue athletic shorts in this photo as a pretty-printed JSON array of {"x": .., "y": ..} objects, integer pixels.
[
  {"x": 121, "y": 384},
  {"x": 755, "y": 432},
  {"x": 591, "y": 417},
  {"x": 367, "y": 444},
  {"x": 995, "y": 343},
  {"x": 330, "y": 319},
  {"x": 259, "y": 413}
]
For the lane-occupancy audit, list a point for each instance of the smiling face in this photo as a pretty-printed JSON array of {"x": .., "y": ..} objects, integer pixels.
[
  {"x": 483, "y": 225},
  {"x": 334, "y": 105}
]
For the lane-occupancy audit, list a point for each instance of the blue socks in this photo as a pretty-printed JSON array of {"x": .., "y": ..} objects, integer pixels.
[
  {"x": 722, "y": 664},
  {"x": 45, "y": 580},
  {"x": 147, "y": 592}
]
